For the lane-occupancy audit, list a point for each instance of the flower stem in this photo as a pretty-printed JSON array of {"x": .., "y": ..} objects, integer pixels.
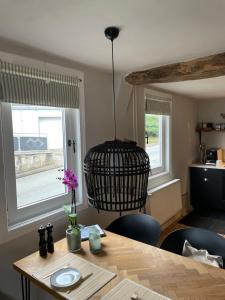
[{"x": 73, "y": 204}]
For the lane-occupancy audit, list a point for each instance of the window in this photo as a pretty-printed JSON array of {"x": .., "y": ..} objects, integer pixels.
[
  {"x": 157, "y": 133},
  {"x": 36, "y": 149},
  {"x": 39, "y": 152},
  {"x": 40, "y": 134}
]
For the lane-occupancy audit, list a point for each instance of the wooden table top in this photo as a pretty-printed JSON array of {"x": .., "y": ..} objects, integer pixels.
[{"x": 166, "y": 273}]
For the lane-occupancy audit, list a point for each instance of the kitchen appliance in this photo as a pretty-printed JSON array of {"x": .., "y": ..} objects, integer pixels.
[
  {"x": 202, "y": 150},
  {"x": 212, "y": 155}
]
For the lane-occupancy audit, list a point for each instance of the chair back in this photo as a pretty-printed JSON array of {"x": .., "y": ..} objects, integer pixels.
[
  {"x": 139, "y": 227},
  {"x": 198, "y": 238}
]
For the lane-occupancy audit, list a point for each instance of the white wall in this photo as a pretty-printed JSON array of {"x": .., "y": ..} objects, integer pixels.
[
  {"x": 166, "y": 203},
  {"x": 209, "y": 111},
  {"x": 99, "y": 127},
  {"x": 185, "y": 142},
  {"x": 184, "y": 138}
]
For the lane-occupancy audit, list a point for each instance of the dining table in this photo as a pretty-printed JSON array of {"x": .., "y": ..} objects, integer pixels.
[{"x": 168, "y": 274}]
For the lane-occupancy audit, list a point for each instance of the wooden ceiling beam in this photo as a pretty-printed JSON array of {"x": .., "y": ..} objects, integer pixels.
[{"x": 200, "y": 68}]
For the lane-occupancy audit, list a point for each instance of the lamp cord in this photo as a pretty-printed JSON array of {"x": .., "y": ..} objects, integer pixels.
[{"x": 114, "y": 96}]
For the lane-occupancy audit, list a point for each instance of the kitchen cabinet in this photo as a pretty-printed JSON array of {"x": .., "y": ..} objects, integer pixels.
[{"x": 207, "y": 187}]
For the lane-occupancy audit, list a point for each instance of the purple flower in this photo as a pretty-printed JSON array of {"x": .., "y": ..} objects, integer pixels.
[{"x": 70, "y": 180}]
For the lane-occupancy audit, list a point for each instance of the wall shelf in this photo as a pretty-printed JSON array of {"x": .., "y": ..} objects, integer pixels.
[
  {"x": 206, "y": 130},
  {"x": 209, "y": 130}
]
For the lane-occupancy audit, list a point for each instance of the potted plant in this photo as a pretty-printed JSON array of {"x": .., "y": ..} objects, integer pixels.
[{"x": 73, "y": 233}]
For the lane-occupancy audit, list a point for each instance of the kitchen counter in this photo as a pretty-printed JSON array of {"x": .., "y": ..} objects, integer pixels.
[{"x": 220, "y": 166}]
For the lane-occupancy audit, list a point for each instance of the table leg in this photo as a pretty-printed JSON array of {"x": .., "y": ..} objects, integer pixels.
[{"x": 25, "y": 285}]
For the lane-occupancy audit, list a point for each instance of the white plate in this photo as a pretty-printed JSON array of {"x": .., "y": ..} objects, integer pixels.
[{"x": 65, "y": 277}]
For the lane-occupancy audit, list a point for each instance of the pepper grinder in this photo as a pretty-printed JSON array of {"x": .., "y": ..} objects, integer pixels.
[
  {"x": 50, "y": 242},
  {"x": 42, "y": 241}
]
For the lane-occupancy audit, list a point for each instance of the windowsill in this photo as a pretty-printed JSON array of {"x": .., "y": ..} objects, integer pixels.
[
  {"x": 162, "y": 186},
  {"x": 16, "y": 230},
  {"x": 159, "y": 179},
  {"x": 155, "y": 176},
  {"x": 53, "y": 215}
]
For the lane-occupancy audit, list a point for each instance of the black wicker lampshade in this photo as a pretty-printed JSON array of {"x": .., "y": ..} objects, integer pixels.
[{"x": 116, "y": 174}]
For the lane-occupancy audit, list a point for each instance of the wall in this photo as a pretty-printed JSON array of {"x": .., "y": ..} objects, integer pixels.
[
  {"x": 184, "y": 139},
  {"x": 185, "y": 142},
  {"x": 166, "y": 202},
  {"x": 184, "y": 152},
  {"x": 209, "y": 111},
  {"x": 32, "y": 162},
  {"x": 99, "y": 127}
]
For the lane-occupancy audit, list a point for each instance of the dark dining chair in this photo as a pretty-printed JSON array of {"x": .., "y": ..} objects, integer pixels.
[
  {"x": 198, "y": 238},
  {"x": 139, "y": 227}
]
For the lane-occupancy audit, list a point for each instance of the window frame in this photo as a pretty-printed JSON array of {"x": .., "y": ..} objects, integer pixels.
[
  {"x": 163, "y": 141},
  {"x": 11, "y": 230},
  {"x": 162, "y": 174},
  {"x": 16, "y": 215}
]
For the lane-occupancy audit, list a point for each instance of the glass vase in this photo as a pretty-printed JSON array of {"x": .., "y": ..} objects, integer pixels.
[{"x": 73, "y": 237}]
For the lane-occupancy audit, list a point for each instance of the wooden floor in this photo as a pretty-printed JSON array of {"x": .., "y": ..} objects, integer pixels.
[
  {"x": 170, "y": 229},
  {"x": 174, "y": 226},
  {"x": 211, "y": 219}
]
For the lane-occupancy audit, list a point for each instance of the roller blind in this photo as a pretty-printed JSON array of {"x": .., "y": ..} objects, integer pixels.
[
  {"x": 26, "y": 85},
  {"x": 157, "y": 105}
]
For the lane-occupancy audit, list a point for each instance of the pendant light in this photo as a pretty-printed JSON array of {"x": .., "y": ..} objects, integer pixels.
[{"x": 116, "y": 172}]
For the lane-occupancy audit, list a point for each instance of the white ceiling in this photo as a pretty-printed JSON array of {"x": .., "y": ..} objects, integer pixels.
[
  {"x": 153, "y": 32},
  {"x": 213, "y": 88}
]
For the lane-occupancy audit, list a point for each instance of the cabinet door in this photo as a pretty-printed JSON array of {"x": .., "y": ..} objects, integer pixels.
[{"x": 206, "y": 187}]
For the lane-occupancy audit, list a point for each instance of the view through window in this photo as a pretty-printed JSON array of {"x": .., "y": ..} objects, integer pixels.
[
  {"x": 39, "y": 152},
  {"x": 153, "y": 139}
]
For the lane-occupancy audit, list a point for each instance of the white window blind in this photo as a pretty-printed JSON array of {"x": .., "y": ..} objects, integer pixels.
[
  {"x": 157, "y": 105},
  {"x": 26, "y": 85}
]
